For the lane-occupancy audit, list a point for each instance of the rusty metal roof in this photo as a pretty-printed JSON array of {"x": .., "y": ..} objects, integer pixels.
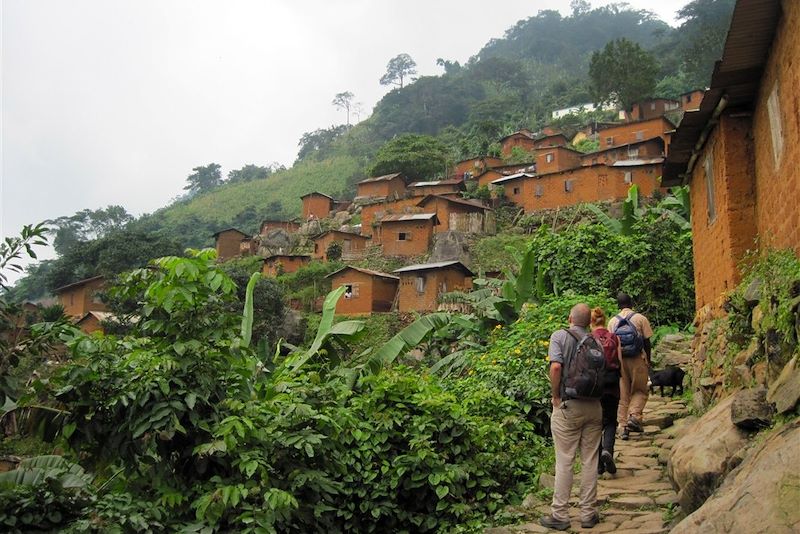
[
  {"x": 411, "y": 217},
  {"x": 433, "y": 266},
  {"x": 384, "y": 178},
  {"x": 736, "y": 77},
  {"x": 454, "y": 200},
  {"x": 365, "y": 271}
]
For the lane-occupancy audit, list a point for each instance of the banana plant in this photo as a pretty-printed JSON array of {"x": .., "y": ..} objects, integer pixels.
[
  {"x": 631, "y": 213},
  {"x": 35, "y": 471}
]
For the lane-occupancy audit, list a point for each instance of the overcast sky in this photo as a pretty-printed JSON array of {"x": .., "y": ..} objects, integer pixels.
[{"x": 113, "y": 102}]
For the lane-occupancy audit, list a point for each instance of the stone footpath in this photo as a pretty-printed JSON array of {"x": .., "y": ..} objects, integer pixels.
[{"x": 639, "y": 497}]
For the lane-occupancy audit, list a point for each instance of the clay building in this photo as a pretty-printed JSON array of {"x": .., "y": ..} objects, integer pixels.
[
  {"x": 421, "y": 285},
  {"x": 268, "y": 225},
  {"x": 92, "y": 321},
  {"x": 631, "y": 132},
  {"x": 739, "y": 151},
  {"x": 522, "y": 139},
  {"x": 279, "y": 264},
  {"x": 550, "y": 140},
  {"x": 593, "y": 183},
  {"x": 458, "y": 214},
  {"x": 475, "y": 166},
  {"x": 511, "y": 186},
  {"x": 388, "y": 185},
  {"x": 367, "y": 291},
  {"x": 352, "y": 244},
  {"x": 247, "y": 247},
  {"x": 647, "y": 149},
  {"x": 319, "y": 205},
  {"x": 691, "y": 99},
  {"x": 372, "y": 213},
  {"x": 451, "y": 186},
  {"x": 407, "y": 235},
  {"x": 557, "y": 158},
  {"x": 487, "y": 177},
  {"x": 228, "y": 243},
  {"x": 652, "y": 108},
  {"x": 82, "y": 296}
]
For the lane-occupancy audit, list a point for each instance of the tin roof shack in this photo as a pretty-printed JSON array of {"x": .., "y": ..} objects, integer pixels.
[
  {"x": 317, "y": 205},
  {"x": 228, "y": 243},
  {"x": 386, "y": 186},
  {"x": 407, "y": 235},
  {"x": 82, "y": 296},
  {"x": 512, "y": 186},
  {"x": 739, "y": 152},
  {"x": 557, "y": 158},
  {"x": 691, "y": 99},
  {"x": 92, "y": 321},
  {"x": 451, "y": 186},
  {"x": 422, "y": 284},
  {"x": 458, "y": 214},
  {"x": 372, "y": 213},
  {"x": 651, "y": 108},
  {"x": 475, "y": 166},
  {"x": 631, "y": 132},
  {"x": 647, "y": 149},
  {"x": 268, "y": 225},
  {"x": 352, "y": 245},
  {"x": 367, "y": 291},
  {"x": 279, "y": 264},
  {"x": 522, "y": 139}
]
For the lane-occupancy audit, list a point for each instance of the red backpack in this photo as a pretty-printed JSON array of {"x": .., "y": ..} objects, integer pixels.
[{"x": 608, "y": 340}]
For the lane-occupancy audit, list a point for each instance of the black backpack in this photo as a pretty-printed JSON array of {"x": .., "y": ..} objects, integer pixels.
[
  {"x": 583, "y": 371},
  {"x": 631, "y": 340}
]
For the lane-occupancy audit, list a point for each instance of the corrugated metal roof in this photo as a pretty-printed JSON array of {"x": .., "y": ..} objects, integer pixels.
[
  {"x": 78, "y": 283},
  {"x": 736, "y": 77},
  {"x": 513, "y": 177},
  {"x": 215, "y": 234},
  {"x": 431, "y": 266},
  {"x": 384, "y": 178},
  {"x": 317, "y": 193},
  {"x": 409, "y": 217},
  {"x": 637, "y": 162},
  {"x": 454, "y": 200},
  {"x": 365, "y": 271}
]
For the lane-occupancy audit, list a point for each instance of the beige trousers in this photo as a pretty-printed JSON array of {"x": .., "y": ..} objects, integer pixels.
[
  {"x": 576, "y": 423},
  {"x": 633, "y": 390}
]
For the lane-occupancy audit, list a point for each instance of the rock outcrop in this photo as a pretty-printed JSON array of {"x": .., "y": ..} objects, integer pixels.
[
  {"x": 761, "y": 495},
  {"x": 785, "y": 391},
  {"x": 708, "y": 450}
]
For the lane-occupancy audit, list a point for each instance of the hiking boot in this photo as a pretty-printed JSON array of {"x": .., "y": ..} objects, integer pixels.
[
  {"x": 625, "y": 434},
  {"x": 634, "y": 425},
  {"x": 591, "y": 522},
  {"x": 556, "y": 524},
  {"x": 601, "y": 467},
  {"x": 607, "y": 461}
]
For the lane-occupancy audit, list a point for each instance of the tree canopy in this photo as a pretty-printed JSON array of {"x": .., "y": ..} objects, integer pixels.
[
  {"x": 622, "y": 72},
  {"x": 416, "y": 156},
  {"x": 86, "y": 225},
  {"x": 204, "y": 178},
  {"x": 344, "y": 101},
  {"x": 398, "y": 69}
]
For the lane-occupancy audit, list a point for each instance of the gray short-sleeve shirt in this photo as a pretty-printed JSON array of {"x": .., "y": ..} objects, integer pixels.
[{"x": 561, "y": 343}]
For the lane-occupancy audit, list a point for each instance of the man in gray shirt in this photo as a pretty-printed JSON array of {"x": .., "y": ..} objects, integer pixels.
[{"x": 574, "y": 423}]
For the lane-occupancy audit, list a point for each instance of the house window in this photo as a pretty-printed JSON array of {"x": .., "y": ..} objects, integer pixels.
[
  {"x": 609, "y": 141},
  {"x": 403, "y": 236},
  {"x": 633, "y": 152},
  {"x": 71, "y": 299},
  {"x": 539, "y": 190},
  {"x": 712, "y": 206},
  {"x": 316, "y": 248},
  {"x": 549, "y": 158},
  {"x": 419, "y": 284},
  {"x": 568, "y": 186},
  {"x": 516, "y": 190},
  {"x": 628, "y": 177},
  {"x": 775, "y": 125},
  {"x": 652, "y": 106},
  {"x": 640, "y": 135},
  {"x": 348, "y": 291}
]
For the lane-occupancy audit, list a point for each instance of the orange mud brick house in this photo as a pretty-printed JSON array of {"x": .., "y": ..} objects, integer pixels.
[
  {"x": 488, "y": 176},
  {"x": 458, "y": 214},
  {"x": 421, "y": 285},
  {"x": 352, "y": 244},
  {"x": 228, "y": 243},
  {"x": 439, "y": 187},
  {"x": 647, "y": 149},
  {"x": 512, "y": 185},
  {"x": 247, "y": 247},
  {"x": 691, "y": 100},
  {"x": 82, "y": 297},
  {"x": 92, "y": 321},
  {"x": 652, "y": 108},
  {"x": 372, "y": 213},
  {"x": 319, "y": 205},
  {"x": 557, "y": 159},
  {"x": 367, "y": 291},
  {"x": 279, "y": 264},
  {"x": 522, "y": 139},
  {"x": 388, "y": 185},
  {"x": 268, "y": 225},
  {"x": 550, "y": 140},
  {"x": 407, "y": 235},
  {"x": 475, "y": 166},
  {"x": 740, "y": 151},
  {"x": 631, "y": 132}
]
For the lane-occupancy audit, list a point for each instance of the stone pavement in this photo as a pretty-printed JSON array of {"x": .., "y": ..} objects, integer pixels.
[{"x": 639, "y": 497}]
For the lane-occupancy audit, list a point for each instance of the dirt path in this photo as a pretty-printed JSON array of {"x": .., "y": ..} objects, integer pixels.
[{"x": 639, "y": 497}]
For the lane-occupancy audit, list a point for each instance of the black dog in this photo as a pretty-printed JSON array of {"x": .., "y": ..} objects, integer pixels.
[{"x": 671, "y": 376}]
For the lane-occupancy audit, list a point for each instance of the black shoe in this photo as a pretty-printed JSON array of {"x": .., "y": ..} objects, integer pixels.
[
  {"x": 634, "y": 425},
  {"x": 607, "y": 461},
  {"x": 625, "y": 434},
  {"x": 601, "y": 467},
  {"x": 591, "y": 522},
  {"x": 551, "y": 522}
]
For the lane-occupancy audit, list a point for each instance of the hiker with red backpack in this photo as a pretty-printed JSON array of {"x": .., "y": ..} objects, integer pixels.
[
  {"x": 577, "y": 371},
  {"x": 634, "y": 332},
  {"x": 609, "y": 401}
]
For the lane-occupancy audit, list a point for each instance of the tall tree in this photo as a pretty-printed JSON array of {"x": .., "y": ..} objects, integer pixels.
[
  {"x": 251, "y": 172},
  {"x": 85, "y": 225},
  {"x": 622, "y": 72},
  {"x": 398, "y": 69},
  {"x": 204, "y": 178},
  {"x": 416, "y": 156},
  {"x": 344, "y": 101},
  {"x": 705, "y": 26}
]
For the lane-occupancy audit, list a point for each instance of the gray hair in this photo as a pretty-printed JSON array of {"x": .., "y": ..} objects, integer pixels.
[{"x": 581, "y": 314}]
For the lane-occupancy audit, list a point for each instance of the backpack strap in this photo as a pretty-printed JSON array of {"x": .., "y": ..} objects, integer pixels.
[{"x": 562, "y": 389}]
